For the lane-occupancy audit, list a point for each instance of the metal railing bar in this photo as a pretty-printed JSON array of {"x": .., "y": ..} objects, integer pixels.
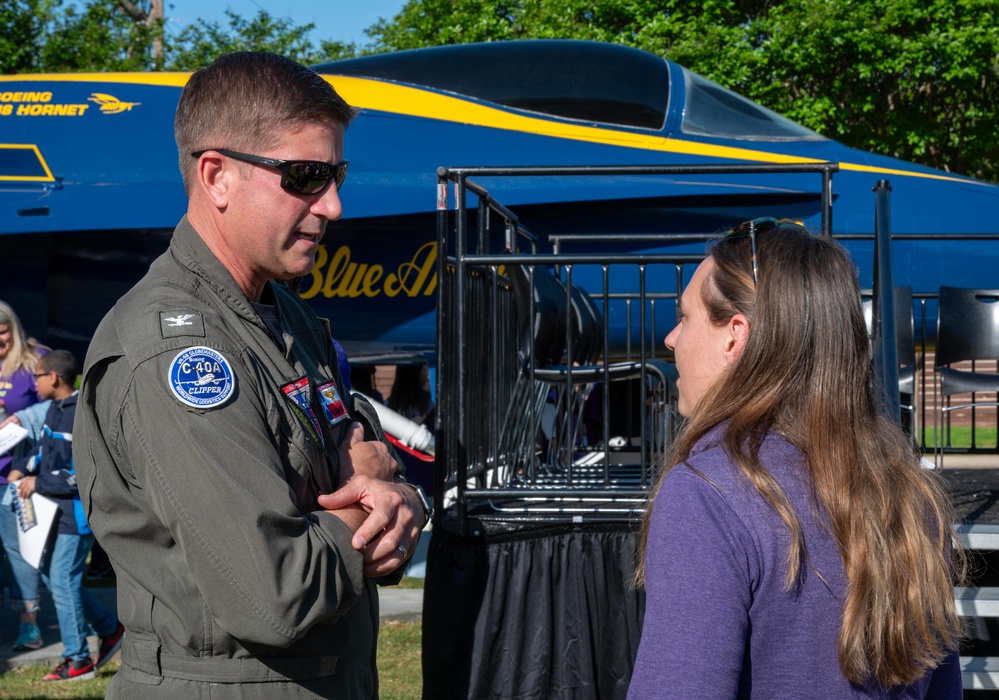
[{"x": 730, "y": 169}]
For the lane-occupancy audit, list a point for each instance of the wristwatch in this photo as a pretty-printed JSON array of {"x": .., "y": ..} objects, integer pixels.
[{"x": 428, "y": 508}]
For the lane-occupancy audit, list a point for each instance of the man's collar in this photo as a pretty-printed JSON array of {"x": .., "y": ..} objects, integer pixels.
[{"x": 190, "y": 251}]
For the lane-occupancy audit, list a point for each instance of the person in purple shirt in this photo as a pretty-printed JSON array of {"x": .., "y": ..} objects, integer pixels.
[
  {"x": 18, "y": 357},
  {"x": 794, "y": 547}
]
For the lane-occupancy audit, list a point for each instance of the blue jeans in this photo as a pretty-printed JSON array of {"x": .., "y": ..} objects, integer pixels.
[
  {"x": 77, "y": 610},
  {"x": 24, "y": 579}
]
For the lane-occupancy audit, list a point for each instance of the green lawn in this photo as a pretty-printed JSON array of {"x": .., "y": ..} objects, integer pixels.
[
  {"x": 399, "y": 669},
  {"x": 961, "y": 437}
]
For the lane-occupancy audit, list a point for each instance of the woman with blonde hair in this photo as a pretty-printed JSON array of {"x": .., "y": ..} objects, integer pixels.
[
  {"x": 19, "y": 355},
  {"x": 794, "y": 547}
]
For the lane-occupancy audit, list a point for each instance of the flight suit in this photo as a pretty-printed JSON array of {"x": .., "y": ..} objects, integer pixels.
[{"x": 201, "y": 447}]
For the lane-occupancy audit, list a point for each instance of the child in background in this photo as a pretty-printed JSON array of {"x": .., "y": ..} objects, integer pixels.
[{"x": 51, "y": 474}]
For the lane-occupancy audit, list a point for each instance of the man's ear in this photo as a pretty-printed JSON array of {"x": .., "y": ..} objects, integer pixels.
[
  {"x": 738, "y": 335},
  {"x": 213, "y": 177}
]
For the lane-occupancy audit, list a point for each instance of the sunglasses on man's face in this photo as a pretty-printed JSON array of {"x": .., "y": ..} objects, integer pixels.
[
  {"x": 297, "y": 176},
  {"x": 761, "y": 225}
]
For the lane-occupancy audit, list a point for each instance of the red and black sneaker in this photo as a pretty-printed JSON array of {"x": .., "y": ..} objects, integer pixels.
[
  {"x": 70, "y": 670},
  {"x": 110, "y": 645}
]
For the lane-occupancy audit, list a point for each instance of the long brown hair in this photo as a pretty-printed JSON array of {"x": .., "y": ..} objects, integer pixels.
[
  {"x": 806, "y": 372},
  {"x": 24, "y": 350}
]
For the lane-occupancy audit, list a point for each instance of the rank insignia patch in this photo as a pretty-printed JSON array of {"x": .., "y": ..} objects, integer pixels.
[
  {"x": 181, "y": 322},
  {"x": 201, "y": 378}
]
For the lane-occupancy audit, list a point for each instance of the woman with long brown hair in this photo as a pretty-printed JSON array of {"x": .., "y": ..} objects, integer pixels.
[{"x": 794, "y": 547}]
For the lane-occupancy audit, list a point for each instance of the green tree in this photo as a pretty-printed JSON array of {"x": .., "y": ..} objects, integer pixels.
[
  {"x": 198, "y": 44},
  {"x": 100, "y": 37},
  {"x": 132, "y": 35},
  {"x": 918, "y": 80},
  {"x": 914, "y": 79},
  {"x": 24, "y": 24}
]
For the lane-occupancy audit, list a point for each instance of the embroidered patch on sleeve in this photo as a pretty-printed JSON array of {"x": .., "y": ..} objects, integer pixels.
[
  {"x": 201, "y": 378},
  {"x": 177, "y": 322}
]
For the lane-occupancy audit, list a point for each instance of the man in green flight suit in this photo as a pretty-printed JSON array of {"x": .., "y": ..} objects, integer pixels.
[{"x": 219, "y": 458}]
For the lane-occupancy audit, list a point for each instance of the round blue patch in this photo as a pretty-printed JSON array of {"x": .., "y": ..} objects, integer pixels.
[{"x": 201, "y": 378}]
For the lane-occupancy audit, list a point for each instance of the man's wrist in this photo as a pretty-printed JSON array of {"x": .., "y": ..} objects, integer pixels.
[{"x": 421, "y": 497}]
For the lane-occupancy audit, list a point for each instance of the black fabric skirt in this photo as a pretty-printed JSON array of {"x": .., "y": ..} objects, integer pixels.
[{"x": 546, "y": 612}]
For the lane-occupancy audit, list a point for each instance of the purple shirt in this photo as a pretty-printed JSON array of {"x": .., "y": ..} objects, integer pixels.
[
  {"x": 718, "y": 620},
  {"x": 16, "y": 392}
]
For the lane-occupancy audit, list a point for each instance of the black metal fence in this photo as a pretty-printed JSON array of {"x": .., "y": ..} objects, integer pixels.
[
  {"x": 551, "y": 435},
  {"x": 542, "y": 418},
  {"x": 524, "y": 360}
]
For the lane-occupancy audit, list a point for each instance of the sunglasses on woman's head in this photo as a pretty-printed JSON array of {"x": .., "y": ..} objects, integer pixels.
[
  {"x": 761, "y": 225},
  {"x": 297, "y": 176}
]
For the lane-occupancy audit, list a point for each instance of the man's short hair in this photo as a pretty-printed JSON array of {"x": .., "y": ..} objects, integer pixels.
[
  {"x": 242, "y": 100},
  {"x": 62, "y": 362}
]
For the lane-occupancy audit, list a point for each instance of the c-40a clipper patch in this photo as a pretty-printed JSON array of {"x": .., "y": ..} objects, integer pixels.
[{"x": 201, "y": 378}]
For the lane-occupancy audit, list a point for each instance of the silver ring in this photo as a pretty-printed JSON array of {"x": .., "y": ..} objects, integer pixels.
[{"x": 403, "y": 551}]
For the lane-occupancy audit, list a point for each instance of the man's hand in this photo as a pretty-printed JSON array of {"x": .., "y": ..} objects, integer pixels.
[
  {"x": 394, "y": 519},
  {"x": 358, "y": 457}
]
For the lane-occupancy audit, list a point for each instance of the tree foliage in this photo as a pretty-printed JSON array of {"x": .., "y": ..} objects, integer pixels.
[
  {"x": 914, "y": 79},
  {"x": 23, "y": 22},
  {"x": 124, "y": 35},
  {"x": 100, "y": 37},
  {"x": 198, "y": 44}
]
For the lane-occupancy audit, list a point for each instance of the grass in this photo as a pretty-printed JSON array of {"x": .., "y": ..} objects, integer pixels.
[
  {"x": 410, "y": 582},
  {"x": 25, "y": 683},
  {"x": 961, "y": 437},
  {"x": 400, "y": 674},
  {"x": 399, "y": 669}
]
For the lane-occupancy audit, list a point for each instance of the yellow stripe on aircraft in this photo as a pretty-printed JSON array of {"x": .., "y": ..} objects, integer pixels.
[
  {"x": 394, "y": 98},
  {"x": 166, "y": 79},
  {"x": 366, "y": 93}
]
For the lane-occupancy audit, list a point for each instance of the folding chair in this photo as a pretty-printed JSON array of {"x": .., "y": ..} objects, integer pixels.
[{"x": 967, "y": 330}]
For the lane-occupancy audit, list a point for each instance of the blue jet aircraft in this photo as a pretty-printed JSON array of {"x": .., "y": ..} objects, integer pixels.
[{"x": 90, "y": 188}]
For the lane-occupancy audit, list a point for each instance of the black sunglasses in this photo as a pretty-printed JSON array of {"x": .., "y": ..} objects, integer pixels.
[
  {"x": 761, "y": 225},
  {"x": 297, "y": 176}
]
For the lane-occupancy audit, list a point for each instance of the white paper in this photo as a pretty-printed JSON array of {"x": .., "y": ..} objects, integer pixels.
[
  {"x": 10, "y": 435},
  {"x": 32, "y": 541}
]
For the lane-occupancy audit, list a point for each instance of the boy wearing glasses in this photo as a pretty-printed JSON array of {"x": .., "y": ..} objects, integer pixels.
[
  {"x": 51, "y": 473},
  {"x": 236, "y": 485}
]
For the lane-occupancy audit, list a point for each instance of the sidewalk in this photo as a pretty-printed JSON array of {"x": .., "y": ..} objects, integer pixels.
[{"x": 395, "y": 604}]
